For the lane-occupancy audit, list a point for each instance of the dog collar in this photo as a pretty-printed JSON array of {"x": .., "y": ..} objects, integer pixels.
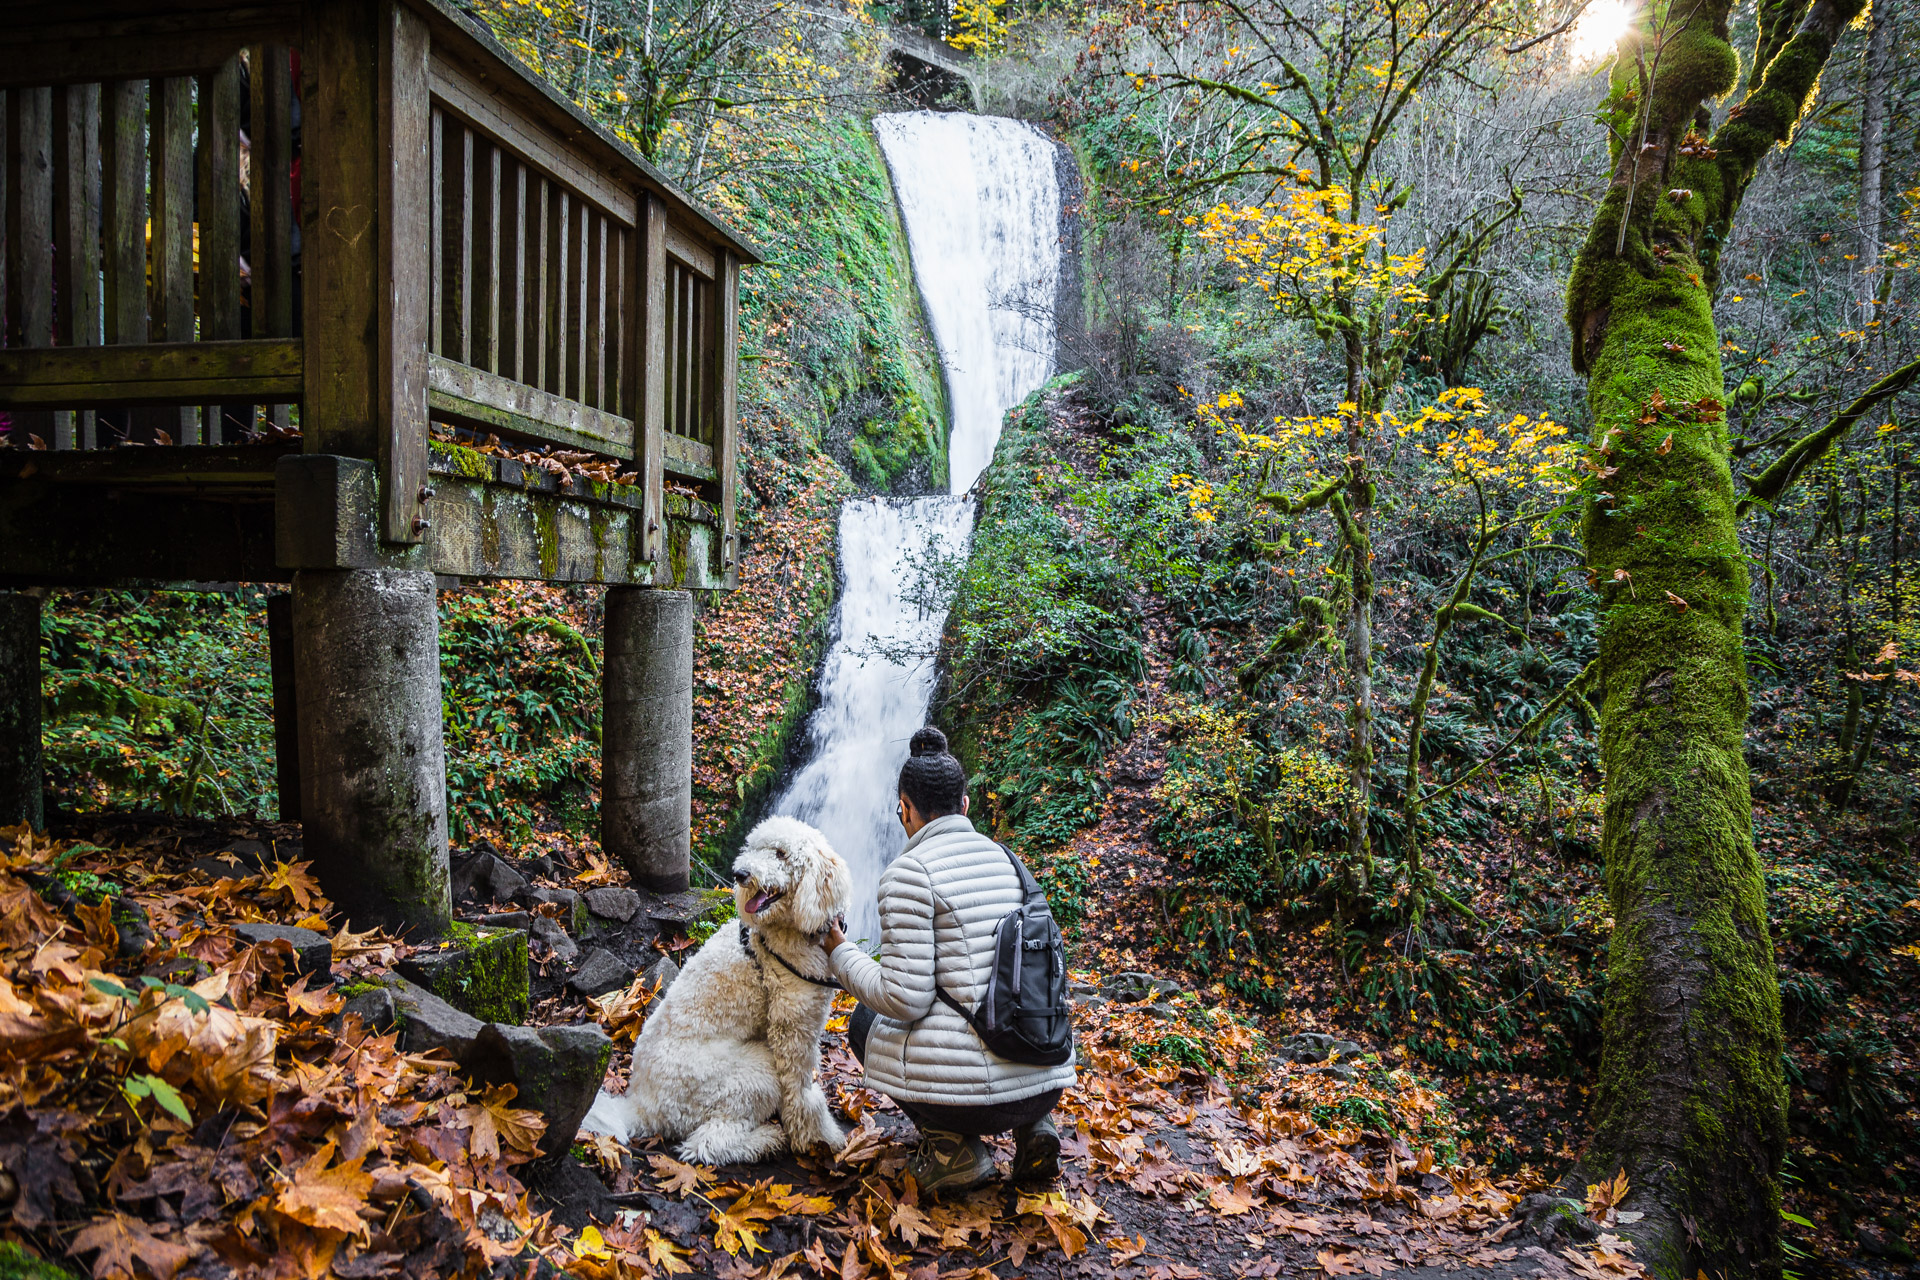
[{"x": 746, "y": 945}]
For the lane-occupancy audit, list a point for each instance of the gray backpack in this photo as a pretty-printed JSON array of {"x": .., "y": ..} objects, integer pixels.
[{"x": 1025, "y": 1016}]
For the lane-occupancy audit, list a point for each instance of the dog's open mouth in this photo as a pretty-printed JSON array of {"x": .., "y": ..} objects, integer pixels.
[{"x": 761, "y": 900}]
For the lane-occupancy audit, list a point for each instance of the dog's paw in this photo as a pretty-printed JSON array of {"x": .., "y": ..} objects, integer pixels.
[{"x": 817, "y": 1129}]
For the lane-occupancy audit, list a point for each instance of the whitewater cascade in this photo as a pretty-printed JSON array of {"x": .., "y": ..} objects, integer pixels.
[{"x": 981, "y": 205}]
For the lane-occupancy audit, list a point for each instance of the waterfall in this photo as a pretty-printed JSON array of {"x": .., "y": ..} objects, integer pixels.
[{"x": 981, "y": 206}]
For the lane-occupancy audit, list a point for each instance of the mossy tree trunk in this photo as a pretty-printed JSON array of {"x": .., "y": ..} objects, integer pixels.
[{"x": 1691, "y": 1098}]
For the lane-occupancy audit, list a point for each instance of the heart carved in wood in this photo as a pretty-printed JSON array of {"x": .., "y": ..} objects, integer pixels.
[{"x": 349, "y": 223}]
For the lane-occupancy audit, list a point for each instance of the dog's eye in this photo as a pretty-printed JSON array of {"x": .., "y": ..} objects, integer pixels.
[{"x": 781, "y": 854}]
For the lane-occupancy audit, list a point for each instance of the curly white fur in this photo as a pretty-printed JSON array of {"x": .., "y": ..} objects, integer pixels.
[{"x": 736, "y": 1040}]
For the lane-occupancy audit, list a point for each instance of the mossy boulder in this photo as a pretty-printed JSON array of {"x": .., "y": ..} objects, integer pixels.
[{"x": 479, "y": 971}]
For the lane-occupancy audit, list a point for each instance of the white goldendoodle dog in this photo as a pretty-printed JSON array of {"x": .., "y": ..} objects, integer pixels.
[{"x": 736, "y": 1039}]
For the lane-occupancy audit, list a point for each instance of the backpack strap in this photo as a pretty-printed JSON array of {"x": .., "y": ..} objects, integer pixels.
[{"x": 1030, "y": 887}]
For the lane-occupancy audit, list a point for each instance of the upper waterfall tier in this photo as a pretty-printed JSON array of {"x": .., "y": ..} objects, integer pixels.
[{"x": 981, "y": 204}]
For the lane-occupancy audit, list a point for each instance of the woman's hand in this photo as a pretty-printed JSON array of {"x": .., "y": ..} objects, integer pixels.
[{"x": 835, "y": 935}]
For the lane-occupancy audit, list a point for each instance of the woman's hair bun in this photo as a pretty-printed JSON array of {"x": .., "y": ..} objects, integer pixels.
[{"x": 928, "y": 742}]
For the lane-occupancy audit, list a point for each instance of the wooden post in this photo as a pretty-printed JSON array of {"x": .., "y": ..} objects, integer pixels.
[
  {"x": 20, "y": 770},
  {"x": 726, "y": 412},
  {"x": 650, "y": 413},
  {"x": 76, "y": 228},
  {"x": 367, "y": 196}
]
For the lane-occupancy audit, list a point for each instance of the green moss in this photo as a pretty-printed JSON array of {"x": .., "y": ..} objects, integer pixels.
[
  {"x": 547, "y": 538},
  {"x": 17, "y": 1264},
  {"x": 469, "y": 463},
  {"x": 348, "y": 990},
  {"x": 485, "y": 974}
]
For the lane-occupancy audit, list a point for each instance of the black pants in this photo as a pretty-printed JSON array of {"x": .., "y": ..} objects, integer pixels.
[{"x": 972, "y": 1122}]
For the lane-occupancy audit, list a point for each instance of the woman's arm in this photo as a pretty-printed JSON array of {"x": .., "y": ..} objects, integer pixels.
[{"x": 898, "y": 985}]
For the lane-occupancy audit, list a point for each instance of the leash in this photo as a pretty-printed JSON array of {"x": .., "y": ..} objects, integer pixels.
[{"x": 746, "y": 944}]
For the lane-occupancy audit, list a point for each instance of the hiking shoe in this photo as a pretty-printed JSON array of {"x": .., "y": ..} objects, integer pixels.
[
  {"x": 1036, "y": 1152},
  {"x": 950, "y": 1162}
]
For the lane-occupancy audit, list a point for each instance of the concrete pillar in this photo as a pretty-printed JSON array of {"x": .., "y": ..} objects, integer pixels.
[
  {"x": 286, "y": 705},
  {"x": 646, "y": 739},
  {"x": 20, "y": 772},
  {"x": 373, "y": 770}
]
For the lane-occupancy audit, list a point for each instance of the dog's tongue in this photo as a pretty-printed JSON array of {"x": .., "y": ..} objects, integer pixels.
[{"x": 758, "y": 902}]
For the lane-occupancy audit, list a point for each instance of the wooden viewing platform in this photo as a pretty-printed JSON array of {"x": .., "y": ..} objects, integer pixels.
[{"x": 266, "y": 266}]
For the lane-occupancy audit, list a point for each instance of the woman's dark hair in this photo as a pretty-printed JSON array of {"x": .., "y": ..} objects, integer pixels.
[{"x": 931, "y": 778}]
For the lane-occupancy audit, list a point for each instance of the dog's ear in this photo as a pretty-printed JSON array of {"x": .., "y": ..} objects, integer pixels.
[{"x": 823, "y": 890}]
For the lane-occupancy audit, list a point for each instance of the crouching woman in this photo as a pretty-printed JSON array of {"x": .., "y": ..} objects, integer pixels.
[{"x": 939, "y": 904}]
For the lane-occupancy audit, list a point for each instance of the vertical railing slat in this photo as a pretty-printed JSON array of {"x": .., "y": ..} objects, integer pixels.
[
  {"x": 437, "y": 235},
  {"x": 483, "y": 346},
  {"x": 456, "y": 210},
  {"x": 76, "y": 232},
  {"x": 533, "y": 338},
  {"x": 270, "y": 197},
  {"x": 123, "y": 193},
  {"x": 619, "y": 298},
  {"x": 558, "y": 280},
  {"x": 218, "y": 149},
  {"x": 171, "y": 184},
  {"x": 511, "y": 266},
  {"x": 29, "y": 205},
  {"x": 593, "y": 381}
]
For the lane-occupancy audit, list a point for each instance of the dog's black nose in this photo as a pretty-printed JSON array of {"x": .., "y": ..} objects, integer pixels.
[{"x": 741, "y": 877}]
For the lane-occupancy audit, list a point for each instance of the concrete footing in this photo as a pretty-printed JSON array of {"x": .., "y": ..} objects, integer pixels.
[
  {"x": 20, "y": 770},
  {"x": 373, "y": 797},
  {"x": 646, "y": 749}
]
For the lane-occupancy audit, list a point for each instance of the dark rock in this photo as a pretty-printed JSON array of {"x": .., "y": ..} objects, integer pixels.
[
  {"x": 312, "y": 952},
  {"x": 574, "y": 1192},
  {"x": 485, "y": 878},
  {"x": 482, "y": 971},
  {"x": 376, "y": 1009},
  {"x": 660, "y": 975},
  {"x": 573, "y": 911},
  {"x": 1552, "y": 1218},
  {"x": 1313, "y": 1046},
  {"x": 218, "y": 867},
  {"x": 541, "y": 866},
  {"x": 599, "y": 973},
  {"x": 1133, "y": 988},
  {"x": 550, "y": 935},
  {"x": 613, "y": 903},
  {"x": 1163, "y": 1011},
  {"x": 679, "y": 910},
  {"x": 427, "y": 1022},
  {"x": 556, "y": 1070}
]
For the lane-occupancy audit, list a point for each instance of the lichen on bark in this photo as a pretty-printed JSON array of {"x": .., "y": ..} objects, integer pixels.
[{"x": 1691, "y": 1099}]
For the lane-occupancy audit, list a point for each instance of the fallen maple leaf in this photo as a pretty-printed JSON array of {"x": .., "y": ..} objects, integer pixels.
[
  {"x": 123, "y": 1241},
  {"x": 677, "y": 1178},
  {"x": 330, "y": 1199}
]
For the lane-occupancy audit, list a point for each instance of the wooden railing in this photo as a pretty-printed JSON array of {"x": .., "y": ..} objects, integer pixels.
[
  {"x": 149, "y": 230},
  {"x": 345, "y": 216}
]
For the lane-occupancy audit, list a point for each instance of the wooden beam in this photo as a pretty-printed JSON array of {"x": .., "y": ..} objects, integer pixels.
[
  {"x": 690, "y": 251},
  {"x": 260, "y": 369},
  {"x": 688, "y": 457},
  {"x": 478, "y": 398},
  {"x": 92, "y": 56}
]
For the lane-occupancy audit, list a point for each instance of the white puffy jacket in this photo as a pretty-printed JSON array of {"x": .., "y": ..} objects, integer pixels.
[{"x": 939, "y": 903}]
